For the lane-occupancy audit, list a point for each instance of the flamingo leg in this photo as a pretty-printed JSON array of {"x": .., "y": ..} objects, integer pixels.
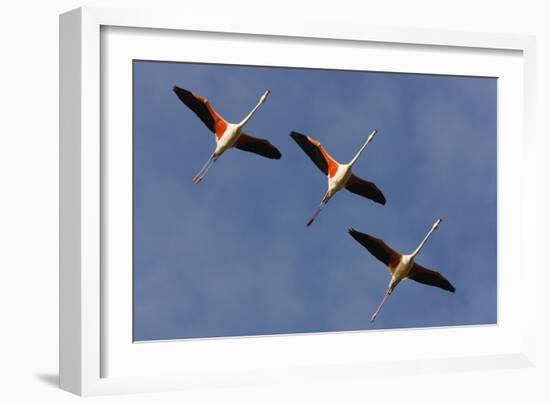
[
  {"x": 198, "y": 177},
  {"x": 323, "y": 204},
  {"x": 386, "y": 295}
]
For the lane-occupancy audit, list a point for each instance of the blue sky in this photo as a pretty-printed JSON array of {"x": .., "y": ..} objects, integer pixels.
[{"x": 233, "y": 257}]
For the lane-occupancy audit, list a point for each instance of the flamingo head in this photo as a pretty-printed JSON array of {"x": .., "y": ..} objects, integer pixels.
[
  {"x": 264, "y": 96},
  {"x": 371, "y": 136}
]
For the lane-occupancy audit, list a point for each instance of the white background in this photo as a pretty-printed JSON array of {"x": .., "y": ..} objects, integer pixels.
[{"x": 29, "y": 202}]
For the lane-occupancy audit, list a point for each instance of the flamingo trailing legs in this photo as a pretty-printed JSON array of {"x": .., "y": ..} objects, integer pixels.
[
  {"x": 339, "y": 176},
  {"x": 228, "y": 135},
  {"x": 400, "y": 266}
]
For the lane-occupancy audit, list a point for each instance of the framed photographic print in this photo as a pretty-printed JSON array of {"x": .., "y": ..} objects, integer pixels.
[{"x": 244, "y": 203}]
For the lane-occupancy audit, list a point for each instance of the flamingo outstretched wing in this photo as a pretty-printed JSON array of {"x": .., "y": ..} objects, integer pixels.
[
  {"x": 258, "y": 146},
  {"x": 430, "y": 277},
  {"x": 366, "y": 189},
  {"x": 316, "y": 153},
  {"x": 202, "y": 108},
  {"x": 377, "y": 248}
]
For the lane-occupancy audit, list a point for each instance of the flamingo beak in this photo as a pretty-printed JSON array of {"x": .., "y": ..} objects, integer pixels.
[{"x": 371, "y": 136}]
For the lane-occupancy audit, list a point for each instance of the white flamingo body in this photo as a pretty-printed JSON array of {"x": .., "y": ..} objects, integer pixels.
[
  {"x": 228, "y": 139},
  {"x": 339, "y": 180},
  {"x": 401, "y": 271}
]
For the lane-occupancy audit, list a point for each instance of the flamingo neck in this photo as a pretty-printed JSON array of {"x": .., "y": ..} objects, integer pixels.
[
  {"x": 354, "y": 160},
  {"x": 417, "y": 250},
  {"x": 247, "y": 118}
]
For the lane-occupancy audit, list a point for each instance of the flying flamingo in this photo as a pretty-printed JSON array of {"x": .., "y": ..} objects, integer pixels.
[
  {"x": 338, "y": 175},
  {"x": 401, "y": 266},
  {"x": 227, "y": 134}
]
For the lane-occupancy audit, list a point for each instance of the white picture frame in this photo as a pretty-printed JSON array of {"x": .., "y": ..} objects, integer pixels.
[{"x": 89, "y": 339}]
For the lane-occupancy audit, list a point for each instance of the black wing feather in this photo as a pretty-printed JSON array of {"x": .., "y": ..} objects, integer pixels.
[
  {"x": 366, "y": 189},
  {"x": 375, "y": 246},
  {"x": 258, "y": 146},
  {"x": 196, "y": 106},
  {"x": 313, "y": 152},
  {"x": 430, "y": 277}
]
